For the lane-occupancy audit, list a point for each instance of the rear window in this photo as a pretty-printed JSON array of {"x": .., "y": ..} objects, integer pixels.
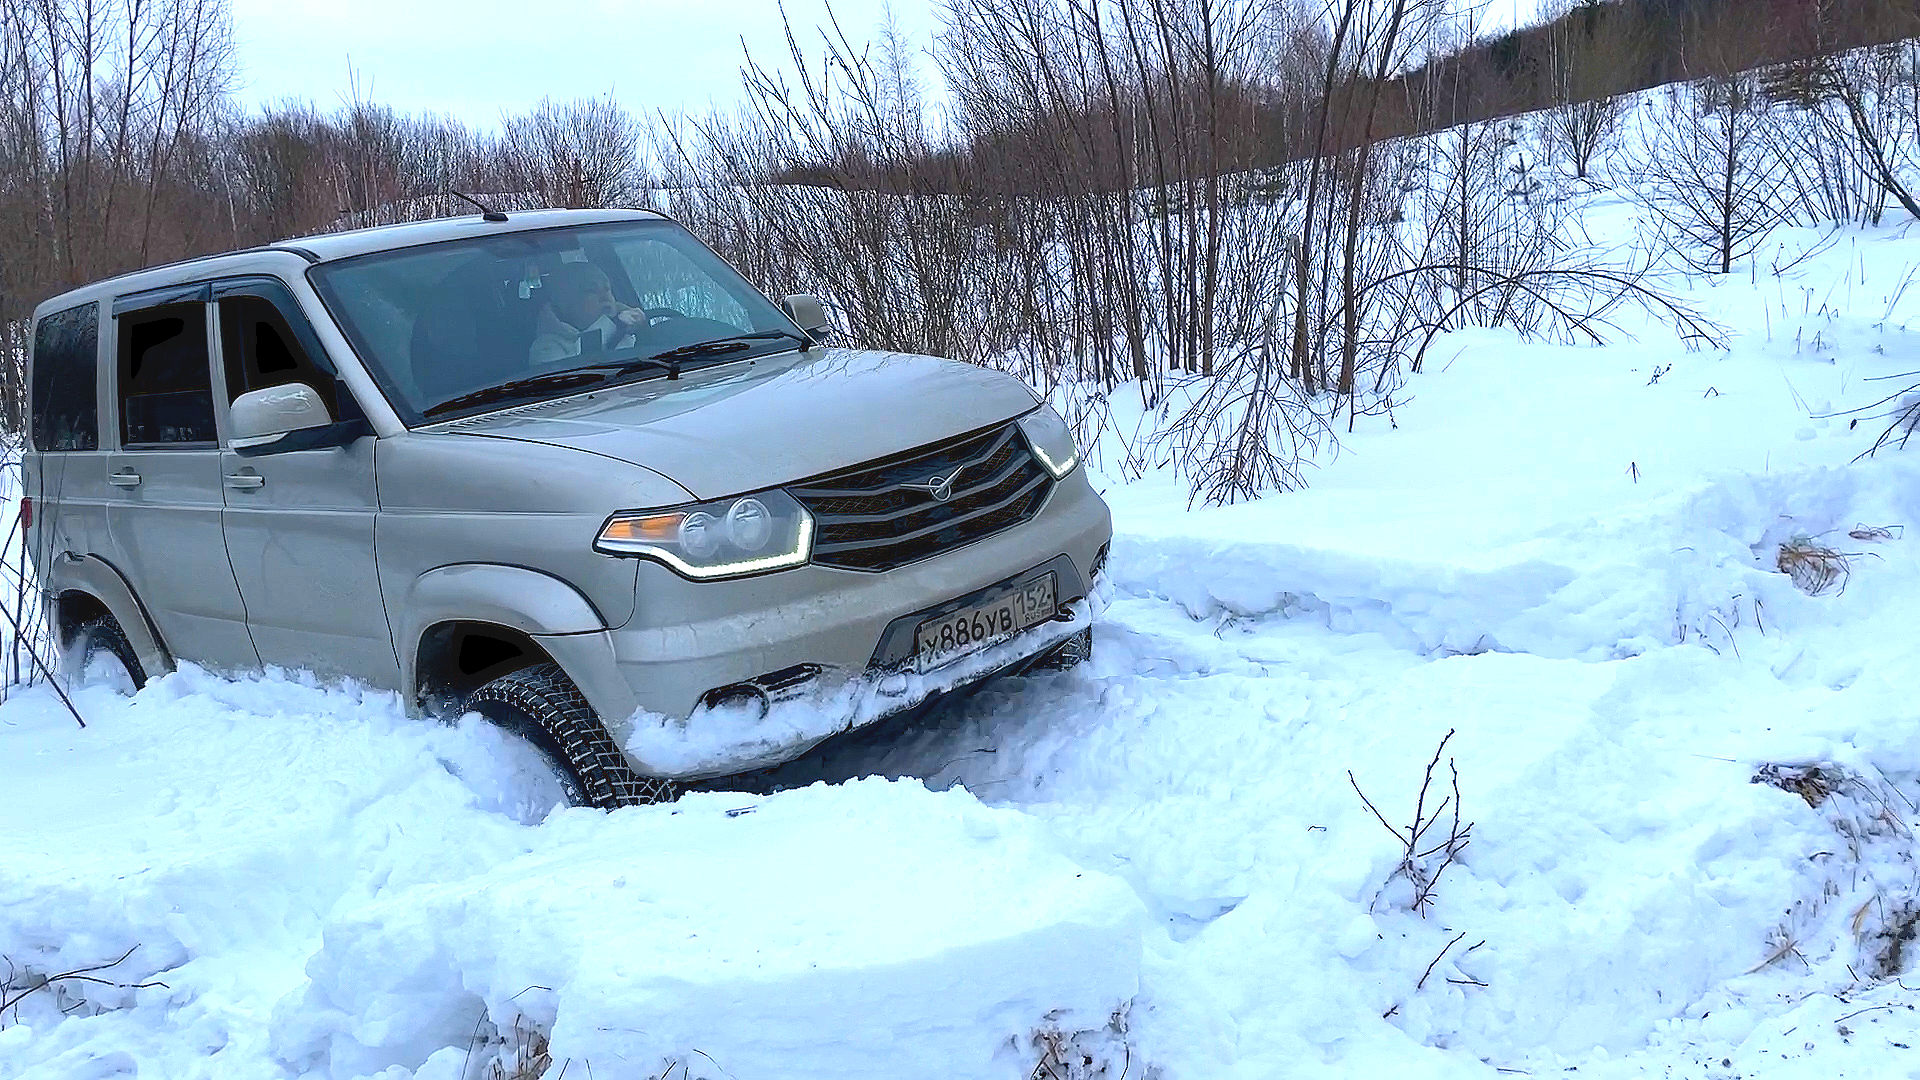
[{"x": 66, "y": 410}]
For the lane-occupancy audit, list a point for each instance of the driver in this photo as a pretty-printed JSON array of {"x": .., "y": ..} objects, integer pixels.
[{"x": 582, "y": 301}]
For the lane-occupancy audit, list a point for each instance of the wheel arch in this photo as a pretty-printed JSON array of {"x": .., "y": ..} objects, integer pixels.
[
  {"x": 79, "y": 588},
  {"x": 469, "y": 623},
  {"x": 456, "y": 657}
]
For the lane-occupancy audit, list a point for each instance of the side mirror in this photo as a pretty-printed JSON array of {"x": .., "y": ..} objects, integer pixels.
[
  {"x": 806, "y": 312},
  {"x": 283, "y": 418}
]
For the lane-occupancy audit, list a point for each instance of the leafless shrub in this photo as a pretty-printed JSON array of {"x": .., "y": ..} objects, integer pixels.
[
  {"x": 1249, "y": 430},
  {"x": 1826, "y": 181},
  {"x": 574, "y": 154},
  {"x": 31, "y": 651},
  {"x": 1712, "y": 175},
  {"x": 1580, "y": 68},
  {"x": 1871, "y": 110},
  {"x": 1424, "y": 858},
  {"x": 1578, "y": 131},
  {"x": 1814, "y": 567}
]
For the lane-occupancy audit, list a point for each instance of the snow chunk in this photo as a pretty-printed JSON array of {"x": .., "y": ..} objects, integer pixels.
[{"x": 827, "y": 932}]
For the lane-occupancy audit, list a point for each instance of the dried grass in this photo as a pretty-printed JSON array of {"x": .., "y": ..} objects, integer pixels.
[
  {"x": 1813, "y": 567},
  {"x": 1812, "y": 783},
  {"x": 1098, "y": 1054},
  {"x": 529, "y": 1058}
]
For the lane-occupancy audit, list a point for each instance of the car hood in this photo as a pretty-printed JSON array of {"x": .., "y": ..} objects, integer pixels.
[{"x": 760, "y": 423}]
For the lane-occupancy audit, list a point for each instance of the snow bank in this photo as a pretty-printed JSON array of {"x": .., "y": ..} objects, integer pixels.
[
  {"x": 1687, "y": 566},
  {"x": 313, "y": 884},
  {"x": 874, "y": 929}
]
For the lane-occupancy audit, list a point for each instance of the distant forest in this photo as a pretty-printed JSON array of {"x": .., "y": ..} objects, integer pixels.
[{"x": 1590, "y": 50}]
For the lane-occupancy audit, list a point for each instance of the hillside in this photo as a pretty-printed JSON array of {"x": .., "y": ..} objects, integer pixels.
[{"x": 1642, "y": 610}]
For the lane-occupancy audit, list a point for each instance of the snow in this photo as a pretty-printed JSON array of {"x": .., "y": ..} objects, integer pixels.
[
  {"x": 354, "y": 900},
  {"x": 704, "y": 927},
  {"x": 1163, "y": 856}
]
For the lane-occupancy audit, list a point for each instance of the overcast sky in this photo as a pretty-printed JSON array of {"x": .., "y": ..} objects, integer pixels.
[{"x": 474, "y": 58}]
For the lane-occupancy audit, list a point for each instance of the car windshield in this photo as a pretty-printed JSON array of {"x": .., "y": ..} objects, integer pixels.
[{"x": 457, "y": 328}]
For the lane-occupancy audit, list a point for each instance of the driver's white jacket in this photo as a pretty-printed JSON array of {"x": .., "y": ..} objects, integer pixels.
[{"x": 555, "y": 339}]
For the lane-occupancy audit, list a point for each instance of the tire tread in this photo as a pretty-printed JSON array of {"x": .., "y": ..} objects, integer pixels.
[
  {"x": 104, "y": 632},
  {"x": 548, "y": 699}
]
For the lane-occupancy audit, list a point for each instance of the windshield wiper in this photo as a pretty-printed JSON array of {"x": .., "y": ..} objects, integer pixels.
[
  {"x": 719, "y": 346},
  {"x": 591, "y": 374}
]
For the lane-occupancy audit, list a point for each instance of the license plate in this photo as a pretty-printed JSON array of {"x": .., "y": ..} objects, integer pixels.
[{"x": 951, "y": 636}]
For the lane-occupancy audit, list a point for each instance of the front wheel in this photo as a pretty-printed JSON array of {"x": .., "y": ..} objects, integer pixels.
[{"x": 541, "y": 705}]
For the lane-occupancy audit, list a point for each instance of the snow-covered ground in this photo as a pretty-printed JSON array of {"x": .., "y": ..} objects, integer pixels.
[{"x": 1156, "y": 864}]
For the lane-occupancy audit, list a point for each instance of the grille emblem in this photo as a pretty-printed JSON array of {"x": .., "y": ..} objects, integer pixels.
[{"x": 940, "y": 487}]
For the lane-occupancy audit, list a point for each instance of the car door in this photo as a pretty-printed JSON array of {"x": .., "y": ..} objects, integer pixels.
[
  {"x": 68, "y": 471},
  {"x": 299, "y": 524},
  {"x": 163, "y": 516}
]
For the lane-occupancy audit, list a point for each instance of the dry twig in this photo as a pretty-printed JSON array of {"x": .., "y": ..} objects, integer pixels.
[
  {"x": 1414, "y": 861},
  {"x": 36, "y": 983}
]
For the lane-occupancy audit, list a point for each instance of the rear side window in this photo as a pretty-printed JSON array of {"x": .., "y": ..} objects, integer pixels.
[
  {"x": 261, "y": 349},
  {"x": 165, "y": 384},
  {"x": 66, "y": 351}
]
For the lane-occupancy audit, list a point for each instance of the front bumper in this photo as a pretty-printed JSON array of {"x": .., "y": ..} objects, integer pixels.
[{"x": 849, "y": 630}]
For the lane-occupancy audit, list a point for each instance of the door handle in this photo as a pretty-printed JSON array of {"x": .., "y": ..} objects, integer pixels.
[
  {"x": 126, "y": 478},
  {"x": 246, "y": 481}
]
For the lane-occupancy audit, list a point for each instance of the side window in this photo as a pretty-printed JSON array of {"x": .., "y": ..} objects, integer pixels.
[
  {"x": 663, "y": 277},
  {"x": 261, "y": 349},
  {"x": 165, "y": 385},
  {"x": 66, "y": 355}
]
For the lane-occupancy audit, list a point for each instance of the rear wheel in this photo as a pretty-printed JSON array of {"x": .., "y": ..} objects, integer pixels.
[
  {"x": 99, "y": 652},
  {"x": 542, "y": 706}
]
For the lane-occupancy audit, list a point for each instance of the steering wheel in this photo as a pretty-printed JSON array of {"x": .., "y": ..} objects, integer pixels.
[{"x": 662, "y": 313}]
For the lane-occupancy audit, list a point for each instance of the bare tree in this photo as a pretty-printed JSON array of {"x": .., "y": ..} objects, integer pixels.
[
  {"x": 107, "y": 108},
  {"x": 1711, "y": 175},
  {"x": 1584, "y": 50},
  {"x": 1205, "y": 199},
  {"x": 1827, "y": 182},
  {"x": 1872, "y": 112},
  {"x": 576, "y": 154}
]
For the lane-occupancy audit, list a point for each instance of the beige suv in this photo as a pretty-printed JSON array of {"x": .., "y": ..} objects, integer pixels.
[{"x": 566, "y": 469}]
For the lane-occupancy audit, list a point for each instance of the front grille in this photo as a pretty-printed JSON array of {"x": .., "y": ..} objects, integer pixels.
[{"x": 867, "y": 519}]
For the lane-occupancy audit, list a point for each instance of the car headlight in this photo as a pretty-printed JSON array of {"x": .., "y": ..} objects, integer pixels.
[
  {"x": 1050, "y": 440},
  {"x": 747, "y": 534}
]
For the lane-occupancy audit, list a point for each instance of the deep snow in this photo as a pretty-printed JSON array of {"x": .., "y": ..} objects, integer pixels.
[{"x": 1565, "y": 561}]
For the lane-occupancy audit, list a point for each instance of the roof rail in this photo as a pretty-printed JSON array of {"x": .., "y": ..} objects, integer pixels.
[{"x": 289, "y": 248}]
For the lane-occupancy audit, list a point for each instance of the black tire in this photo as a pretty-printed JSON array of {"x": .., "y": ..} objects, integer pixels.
[
  {"x": 541, "y": 705},
  {"x": 1072, "y": 652},
  {"x": 103, "y": 634}
]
